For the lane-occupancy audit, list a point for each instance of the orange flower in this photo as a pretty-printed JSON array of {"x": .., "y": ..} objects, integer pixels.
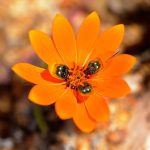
[{"x": 82, "y": 70}]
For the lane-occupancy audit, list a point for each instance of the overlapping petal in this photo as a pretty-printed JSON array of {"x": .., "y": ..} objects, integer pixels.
[
  {"x": 65, "y": 105},
  {"x": 118, "y": 66},
  {"x": 108, "y": 43},
  {"x": 64, "y": 39},
  {"x": 82, "y": 119},
  {"x": 44, "y": 47},
  {"x": 46, "y": 75},
  {"x": 97, "y": 108},
  {"x": 29, "y": 72},
  {"x": 45, "y": 94},
  {"x": 113, "y": 88},
  {"x": 86, "y": 37}
]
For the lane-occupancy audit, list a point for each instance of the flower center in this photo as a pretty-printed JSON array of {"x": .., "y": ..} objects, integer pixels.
[{"x": 76, "y": 78}]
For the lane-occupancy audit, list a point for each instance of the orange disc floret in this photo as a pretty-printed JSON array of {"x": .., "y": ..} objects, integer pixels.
[{"x": 82, "y": 70}]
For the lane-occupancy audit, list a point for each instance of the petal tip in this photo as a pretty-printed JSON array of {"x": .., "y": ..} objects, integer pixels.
[
  {"x": 32, "y": 96},
  {"x": 131, "y": 58},
  {"x": 16, "y": 67},
  {"x": 59, "y": 16},
  {"x": 85, "y": 130},
  {"x": 120, "y": 27},
  {"x": 128, "y": 90},
  {"x": 13, "y": 68},
  {"x": 33, "y": 33},
  {"x": 134, "y": 59},
  {"x": 94, "y": 13}
]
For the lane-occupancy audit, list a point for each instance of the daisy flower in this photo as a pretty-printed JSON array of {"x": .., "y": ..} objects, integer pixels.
[{"x": 83, "y": 70}]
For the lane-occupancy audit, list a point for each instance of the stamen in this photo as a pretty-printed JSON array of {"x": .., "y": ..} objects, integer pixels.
[{"x": 75, "y": 78}]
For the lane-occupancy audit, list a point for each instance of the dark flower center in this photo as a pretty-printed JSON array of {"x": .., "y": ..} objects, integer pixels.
[{"x": 76, "y": 78}]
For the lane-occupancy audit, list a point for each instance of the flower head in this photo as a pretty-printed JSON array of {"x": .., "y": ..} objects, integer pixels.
[{"x": 82, "y": 70}]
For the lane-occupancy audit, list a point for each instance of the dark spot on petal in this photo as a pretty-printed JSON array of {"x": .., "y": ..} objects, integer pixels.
[
  {"x": 85, "y": 88},
  {"x": 93, "y": 67},
  {"x": 62, "y": 71}
]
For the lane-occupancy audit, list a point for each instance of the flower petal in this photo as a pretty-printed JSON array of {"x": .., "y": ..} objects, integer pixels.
[
  {"x": 46, "y": 75},
  {"x": 66, "y": 105},
  {"x": 45, "y": 95},
  {"x": 97, "y": 108},
  {"x": 64, "y": 39},
  {"x": 113, "y": 88},
  {"x": 29, "y": 72},
  {"x": 118, "y": 66},
  {"x": 87, "y": 36},
  {"x": 44, "y": 47},
  {"x": 108, "y": 43},
  {"x": 82, "y": 119}
]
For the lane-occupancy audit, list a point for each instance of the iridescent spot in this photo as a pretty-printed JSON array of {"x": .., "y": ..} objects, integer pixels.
[
  {"x": 62, "y": 71},
  {"x": 85, "y": 88},
  {"x": 93, "y": 67}
]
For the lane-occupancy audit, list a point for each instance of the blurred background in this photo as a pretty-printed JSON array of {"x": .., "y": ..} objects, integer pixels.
[{"x": 25, "y": 126}]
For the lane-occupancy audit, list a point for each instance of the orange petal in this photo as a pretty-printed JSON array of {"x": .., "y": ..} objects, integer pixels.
[
  {"x": 44, "y": 47},
  {"x": 87, "y": 36},
  {"x": 30, "y": 73},
  {"x": 108, "y": 43},
  {"x": 66, "y": 105},
  {"x": 118, "y": 66},
  {"x": 82, "y": 120},
  {"x": 97, "y": 108},
  {"x": 80, "y": 97},
  {"x": 113, "y": 88},
  {"x": 45, "y": 95},
  {"x": 46, "y": 75},
  {"x": 64, "y": 39}
]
